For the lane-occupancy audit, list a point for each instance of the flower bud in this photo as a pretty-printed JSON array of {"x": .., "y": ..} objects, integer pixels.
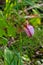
[{"x": 29, "y": 29}]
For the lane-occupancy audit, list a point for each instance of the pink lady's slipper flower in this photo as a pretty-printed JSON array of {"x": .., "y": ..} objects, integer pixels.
[{"x": 29, "y": 29}]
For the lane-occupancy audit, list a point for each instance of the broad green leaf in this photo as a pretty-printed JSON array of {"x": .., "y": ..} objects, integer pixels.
[
  {"x": 35, "y": 21},
  {"x": 11, "y": 31},
  {"x": 3, "y": 40},
  {"x": 2, "y": 32},
  {"x": 11, "y": 58},
  {"x": 8, "y": 56},
  {"x": 3, "y": 23}
]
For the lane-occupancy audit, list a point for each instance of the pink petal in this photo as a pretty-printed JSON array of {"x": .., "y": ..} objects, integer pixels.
[{"x": 29, "y": 30}]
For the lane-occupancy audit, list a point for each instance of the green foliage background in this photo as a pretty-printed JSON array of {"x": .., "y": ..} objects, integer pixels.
[{"x": 16, "y": 46}]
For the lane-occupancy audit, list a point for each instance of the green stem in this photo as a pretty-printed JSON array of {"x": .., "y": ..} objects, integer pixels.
[{"x": 20, "y": 45}]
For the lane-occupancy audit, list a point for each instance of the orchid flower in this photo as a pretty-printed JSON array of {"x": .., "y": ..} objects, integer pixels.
[{"x": 29, "y": 29}]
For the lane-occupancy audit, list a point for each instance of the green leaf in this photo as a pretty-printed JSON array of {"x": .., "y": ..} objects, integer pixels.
[
  {"x": 3, "y": 23},
  {"x": 11, "y": 31},
  {"x": 11, "y": 58},
  {"x": 3, "y": 40},
  {"x": 2, "y": 32},
  {"x": 8, "y": 56},
  {"x": 35, "y": 21}
]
